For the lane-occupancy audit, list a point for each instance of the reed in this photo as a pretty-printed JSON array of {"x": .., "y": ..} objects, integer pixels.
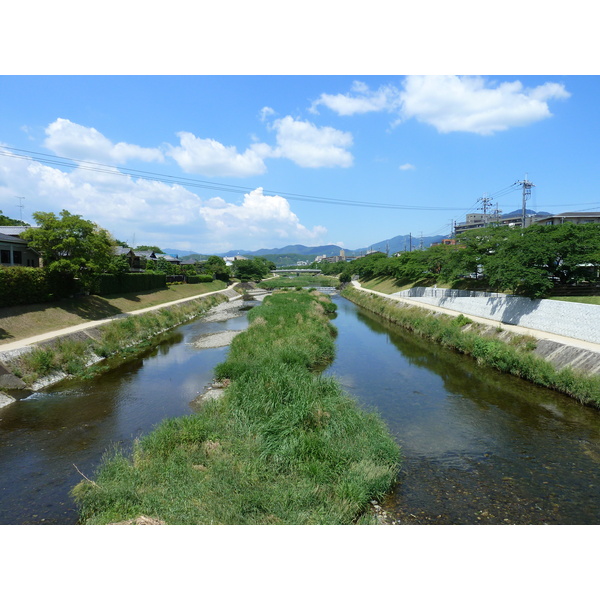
[{"x": 284, "y": 445}]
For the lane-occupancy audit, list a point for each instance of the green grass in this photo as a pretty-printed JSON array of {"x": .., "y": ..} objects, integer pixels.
[
  {"x": 20, "y": 322},
  {"x": 72, "y": 356},
  {"x": 515, "y": 357},
  {"x": 299, "y": 281},
  {"x": 582, "y": 299},
  {"x": 282, "y": 446}
]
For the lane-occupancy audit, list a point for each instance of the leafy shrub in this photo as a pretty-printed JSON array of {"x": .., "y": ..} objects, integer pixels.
[{"x": 128, "y": 283}]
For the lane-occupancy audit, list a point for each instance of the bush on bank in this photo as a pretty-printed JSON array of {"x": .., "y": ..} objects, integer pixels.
[
  {"x": 514, "y": 357},
  {"x": 72, "y": 357},
  {"x": 282, "y": 446}
]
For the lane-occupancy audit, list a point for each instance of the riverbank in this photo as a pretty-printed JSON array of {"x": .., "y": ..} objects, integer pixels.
[
  {"x": 18, "y": 323},
  {"x": 282, "y": 445},
  {"x": 76, "y": 352},
  {"x": 492, "y": 345}
]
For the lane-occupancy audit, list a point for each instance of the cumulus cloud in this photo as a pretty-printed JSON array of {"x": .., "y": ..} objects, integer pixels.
[
  {"x": 213, "y": 159},
  {"x": 451, "y": 103},
  {"x": 407, "y": 167},
  {"x": 152, "y": 212},
  {"x": 311, "y": 146},
  {"x": 86, "y": 143},
  {"x": 361, "y": 100},
  {"x": 470, "y": 104},
  {"x": 260, "y": 220}
]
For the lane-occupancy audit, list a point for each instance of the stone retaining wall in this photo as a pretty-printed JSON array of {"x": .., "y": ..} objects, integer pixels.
[{"x": 571, "y": 319}]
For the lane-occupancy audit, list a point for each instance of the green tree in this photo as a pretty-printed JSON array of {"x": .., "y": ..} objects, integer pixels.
[
  {"x": 154, "y": 249},
  {"x": 255, "y": 268},
  {"x": 7, "y": 221},
  {"x": 217, "y": 267},
  {"x": 70, "y": 246}
]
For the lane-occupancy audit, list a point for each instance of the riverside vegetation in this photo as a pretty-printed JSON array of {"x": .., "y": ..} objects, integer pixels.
[
  {"x": 283, "y": 445},
  {"x": 460, "y": 333},
  {"x": 300, "y": 281},
  {"x": 74, "y": 357}
]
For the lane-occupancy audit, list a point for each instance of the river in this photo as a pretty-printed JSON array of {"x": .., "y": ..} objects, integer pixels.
[{"x": 478, "y": 446}]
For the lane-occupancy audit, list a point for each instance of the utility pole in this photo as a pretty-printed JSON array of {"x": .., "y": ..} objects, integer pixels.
[
  {"x": 497, "y": 213},
  {"x": 527, "y": 185},
  {"x": 410, "y": 242}
]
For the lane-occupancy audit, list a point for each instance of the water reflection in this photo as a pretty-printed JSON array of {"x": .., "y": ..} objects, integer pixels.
[
  {"x": 45, "y": 438},
  {"x": 479, "y": 446}
]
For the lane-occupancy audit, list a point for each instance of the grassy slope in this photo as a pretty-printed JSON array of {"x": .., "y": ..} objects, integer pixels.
[
  {"x": 515, "y": 357},
  {"x": 19, "y": 322},
  {"x": 282, "y": 446}
]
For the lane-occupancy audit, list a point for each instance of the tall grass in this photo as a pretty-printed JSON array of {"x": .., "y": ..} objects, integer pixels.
[
  {"x": 515, "y": 357},
  {"x": 300, "y": 281},
  {"x": 73, "y": 356},
  {"x": 282, "y": 446}
]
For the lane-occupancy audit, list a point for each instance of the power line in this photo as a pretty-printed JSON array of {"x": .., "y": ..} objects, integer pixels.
[{"x": 199, "y": 183}]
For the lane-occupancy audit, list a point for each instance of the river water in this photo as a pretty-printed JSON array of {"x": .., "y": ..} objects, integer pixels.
[
  {"x": 45, "y": 438},
  {"x": 478, "y": 446}
]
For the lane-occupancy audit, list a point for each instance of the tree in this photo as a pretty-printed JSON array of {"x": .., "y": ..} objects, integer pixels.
[
  {"x": 217, "y": 267},
  {"x": 70, "y": 246},
  {"x": 7, "y": 221},
  {"x": 154, "y": 249},
  {"x": 255, "y": 268},
  {"x": 532, "y": 260}
]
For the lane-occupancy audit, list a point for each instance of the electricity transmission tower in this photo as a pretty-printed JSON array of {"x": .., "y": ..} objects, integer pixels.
[
  {"x": 527, "y": 185},
  {"x": 485, "y": 204},
  {"x": 21, "y": 206}
]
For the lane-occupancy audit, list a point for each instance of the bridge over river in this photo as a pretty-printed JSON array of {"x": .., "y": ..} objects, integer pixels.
[{"x": 297, "y": 271}]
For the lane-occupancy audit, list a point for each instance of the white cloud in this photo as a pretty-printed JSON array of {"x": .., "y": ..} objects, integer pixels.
[
  {"x": 407, "y": 167},
  {"x": 86, "y": 143},
  {"x": 386, "y": 98},
  {"x": 451, "y": 103},
  {"x": 470, "y": 104},
  {"x": 310, "y": 146},
  {"x": 151, "y": 212},
  {"x": 266, "y": 112},
  {"x": 260, "y": 220},
  {"x": 213, "y": 159}
]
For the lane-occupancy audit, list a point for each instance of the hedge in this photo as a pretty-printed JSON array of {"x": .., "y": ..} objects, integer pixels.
[
  {"x": 129, "y": 282},
  {"x": 23, "y": 285},
  {"x": 199, "y": 278}
]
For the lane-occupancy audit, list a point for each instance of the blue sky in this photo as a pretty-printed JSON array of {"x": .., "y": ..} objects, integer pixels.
[{"x": 264, "y": 156}]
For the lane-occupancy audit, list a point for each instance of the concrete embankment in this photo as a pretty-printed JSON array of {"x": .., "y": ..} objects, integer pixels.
[
  {"x": 567, "y": 333},
  {"x": 12, "y": 387}
]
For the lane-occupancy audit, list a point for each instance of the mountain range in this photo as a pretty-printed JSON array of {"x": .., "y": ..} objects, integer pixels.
[{"x": 396, "y": 244}]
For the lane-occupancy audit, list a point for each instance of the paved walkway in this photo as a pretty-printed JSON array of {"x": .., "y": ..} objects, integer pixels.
[
  {"x": 536, "y": 333},
  {"x": 67, "y": 330}
]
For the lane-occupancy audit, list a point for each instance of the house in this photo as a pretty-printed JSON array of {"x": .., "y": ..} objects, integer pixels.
[
  {"x": 578, "y": 218},
  {"x": 229, "y": 260},
  {"x": 138, "y": 258},
  {"x": 14, "y": 251}
]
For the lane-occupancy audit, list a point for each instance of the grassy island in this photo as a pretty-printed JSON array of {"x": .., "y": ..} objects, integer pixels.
[{"x": 283, "y": 445}]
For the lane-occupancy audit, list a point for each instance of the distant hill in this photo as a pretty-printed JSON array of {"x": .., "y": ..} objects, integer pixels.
[
  {"x": 518, "y": 213},
  {"x": 293, "y": 253},
  {"x": 179, "y": 253},
  {"x": 329, "y": 250},
  {"x": 401, "y": 243}
]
